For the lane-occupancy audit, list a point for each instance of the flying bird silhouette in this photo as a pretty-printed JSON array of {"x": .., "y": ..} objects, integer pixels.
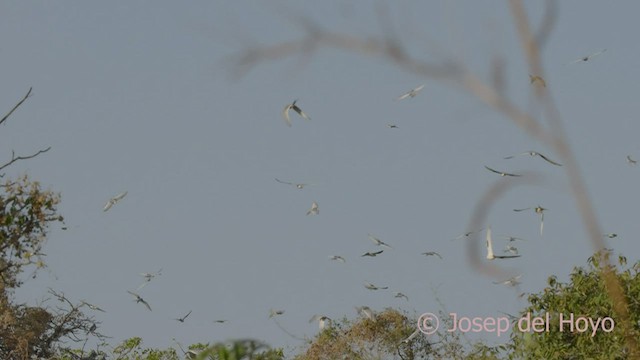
[
  {"x": 588, "y": 57},
  {"x": 378, "y": 241},
  {"x": 182, "y": 319},
  {"x": 372, "y": 254},
  {"x": 511, "y": 250},
  {"x": 513, "y": 281},
  {"x": 297, "y": 185},
  {"x": 535, "y": 153},
  {"x": 392, "y": 126},
  {"x": 400, "y": 295},
  {"x": 148, "y": 277},
  {"x": 410, "y": 93},
  {"x": 467, "y": 234},
  {"x": 501, "y": 173},
  {"x": 139, "y": 299},
  {"x": 285, "y": 112},
  {"x": 366, "y": 312},
  {"x": 370, "y": 286},
  {"x": 431, "y": 253},
  {"x": 538, "y": 210},
  {"x": 91, "y": 306},
  {"x": 322, "y": 320},
  {"x": 490, "y": 254},
  {"x": 114, "y": 200},
  {"x": 273, "y": 313},
  {"x": 511, "y": 238},
  {"x": 337, "y": 258},
  {"x": 631, "y": 161},
  {"x": 314, "y": 209}
]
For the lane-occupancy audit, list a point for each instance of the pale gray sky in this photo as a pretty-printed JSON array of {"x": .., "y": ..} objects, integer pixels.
[{"x": 138, "y": 97}]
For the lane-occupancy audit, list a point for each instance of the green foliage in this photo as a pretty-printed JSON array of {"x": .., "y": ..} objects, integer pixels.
[
  {"x": 131, "y": 349},
  {"x": 26, "y": 211},
  {"x": 386, "y": 337},
  {"x": 239, "y": 350},
  {"x": 584, "y": 296}
]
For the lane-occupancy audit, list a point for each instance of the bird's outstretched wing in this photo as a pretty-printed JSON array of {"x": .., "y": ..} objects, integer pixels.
[
  {"x": 548, "y": 160},
  {"x": 284, "y": 182},
  {"x": 432, "y": 253},
  {"x": 108, "y": 205},
  {"x": 300, "y": 112},
  {"x": 588, "y": 57},
  {"x": 145, "y": 304},
  {"x": 285, "y": 114},
  {"x": 120, "y": 196},
  {"x": 501, "y": 173},
  {"x": 410, "y": 93}
]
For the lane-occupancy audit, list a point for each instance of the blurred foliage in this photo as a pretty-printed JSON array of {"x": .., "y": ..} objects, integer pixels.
[{"x": 583, "y": 296}]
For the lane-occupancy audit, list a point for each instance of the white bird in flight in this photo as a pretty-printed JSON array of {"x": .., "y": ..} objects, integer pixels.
[
  {"x": 337, "y": 258},
  {"x": 285, "y": 112},
  {"x": 535, "y": 153},
  {"x": 182, "y": 319},
  {"x": 314, "y": 209},
  {"x": 490, "y": 254},
  {"x": 322, "y": 320},
  {"x": 511, "y": 238},
  {"x": 370, "y": 286},
  {"x": 114, "y": 200},
  {"x": 631, "y": 161},
  {"x": 513, "y": 281},
  {"x": 431, "y": 253},
  {"x": 501, "y": 173},
  {"x": 139, "y": 299},
  {"x": 297, "y": 185},
  {"x": 148, "y": 277},
  {"x": 511, "y": 250},
  {"x": 538, "y": 210},
  {"x": 378, "y": 241},
  {"x": 410, "y": 93},
  {"x": 366, "y": 312},
  {"x": 467, "y": 234},
  {"x": 273, "y": 313},
  {"x": 372, "y": 254},
  {"x": 91, "y": 306},
  {"x": 588, "y": 57}
]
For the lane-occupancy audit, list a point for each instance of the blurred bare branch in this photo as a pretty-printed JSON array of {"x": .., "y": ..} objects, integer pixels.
[
  {"x": 548, "y": 23},
  {"x": 392, "y": 49}
]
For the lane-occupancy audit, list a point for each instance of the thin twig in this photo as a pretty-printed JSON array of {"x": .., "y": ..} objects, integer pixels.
[
  {"x": 15, "y": 158},
  {"x": 17, "y": 106}
]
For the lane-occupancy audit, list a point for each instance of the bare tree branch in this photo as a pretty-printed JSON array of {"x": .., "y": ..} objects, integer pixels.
[
  {"x": 17, "y": 106},
  {"x": 15, "y": 158}
]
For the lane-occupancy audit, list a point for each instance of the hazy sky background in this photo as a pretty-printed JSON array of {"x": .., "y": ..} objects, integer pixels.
[{"x": 139, "y": 97}]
